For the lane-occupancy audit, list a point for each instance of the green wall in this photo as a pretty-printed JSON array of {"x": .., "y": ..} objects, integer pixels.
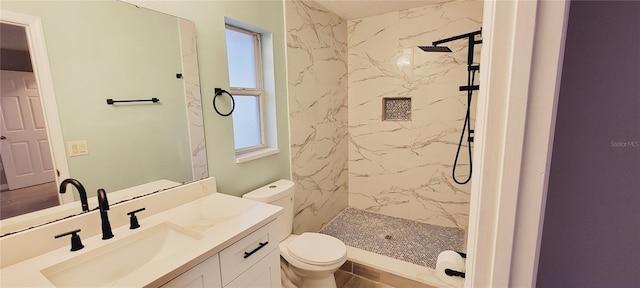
[
  {"x": 209, "y": 18},
  {"x": 109, "y": 49}
]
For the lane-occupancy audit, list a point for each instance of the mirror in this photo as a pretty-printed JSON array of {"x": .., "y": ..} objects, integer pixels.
[{"x": 99, "y": 50}]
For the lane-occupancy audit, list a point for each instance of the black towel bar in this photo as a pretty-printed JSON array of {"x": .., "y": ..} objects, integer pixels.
[{"x": 111, "y": 101}]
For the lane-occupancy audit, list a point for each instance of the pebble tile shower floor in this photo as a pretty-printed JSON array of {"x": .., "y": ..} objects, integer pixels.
[{"x": 406, "y": 240}]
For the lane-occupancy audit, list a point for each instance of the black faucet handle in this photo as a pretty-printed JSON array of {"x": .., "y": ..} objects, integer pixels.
[
  {"x": 76, "y": 243},
  {"x": 134, "y": 219}
]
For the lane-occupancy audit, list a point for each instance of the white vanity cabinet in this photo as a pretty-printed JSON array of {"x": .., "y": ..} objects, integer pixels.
[
  {"x": 253, "y": 261},
  {"x": 265, "y": 273},
  {"x": 205, "y": 274}
]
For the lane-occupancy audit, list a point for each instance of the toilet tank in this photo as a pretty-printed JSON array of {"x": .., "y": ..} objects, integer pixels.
[{"x": 279, "y": 193}]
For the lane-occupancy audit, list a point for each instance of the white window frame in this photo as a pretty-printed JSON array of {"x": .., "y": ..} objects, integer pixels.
[{"x": 256, "y": 92}]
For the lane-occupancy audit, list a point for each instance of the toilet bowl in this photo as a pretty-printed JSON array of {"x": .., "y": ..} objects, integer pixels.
[
  {"x": 312, "y": 259},
  {"x": 308, "y": 260}
]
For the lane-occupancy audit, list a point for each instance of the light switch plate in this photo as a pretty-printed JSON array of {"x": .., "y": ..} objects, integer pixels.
[{"x": 77, "y": 148}]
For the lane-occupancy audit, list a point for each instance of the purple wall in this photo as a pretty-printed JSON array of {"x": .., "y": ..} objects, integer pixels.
[{"x": 591, "y": 235}]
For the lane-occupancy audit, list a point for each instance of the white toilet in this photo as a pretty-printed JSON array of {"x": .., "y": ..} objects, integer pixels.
[{"x": 310, "y": 259}]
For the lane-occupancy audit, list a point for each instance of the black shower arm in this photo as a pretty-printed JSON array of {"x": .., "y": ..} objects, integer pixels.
[{"x": 436, "y": 43}]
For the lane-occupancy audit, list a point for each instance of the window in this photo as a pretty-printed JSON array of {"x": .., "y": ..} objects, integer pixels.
[{"x": 245, "y": 78}]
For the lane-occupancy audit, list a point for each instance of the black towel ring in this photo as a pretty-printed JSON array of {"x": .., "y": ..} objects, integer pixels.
[{"x": 218, "y": 92}]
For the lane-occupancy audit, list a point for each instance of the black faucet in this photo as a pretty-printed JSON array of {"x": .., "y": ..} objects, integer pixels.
[
  {"x": 81, "y": 191},
  {"x": 103, "y": 204}
]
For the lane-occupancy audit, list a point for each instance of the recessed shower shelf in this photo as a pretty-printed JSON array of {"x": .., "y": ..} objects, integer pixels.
[{"x": 396, "y": 109}]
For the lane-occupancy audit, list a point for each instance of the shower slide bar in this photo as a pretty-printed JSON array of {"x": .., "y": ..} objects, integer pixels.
[{"x": 469, "y": 88}]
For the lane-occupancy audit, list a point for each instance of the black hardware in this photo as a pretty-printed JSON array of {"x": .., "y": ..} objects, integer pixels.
[
  {"x": 450, "y": 272},
  {"x": 466, "y": 126},
  {"x": 3, "y": 138},
  {"x": 111, "y": 101},
  {"x": 435, "y": 48},
  {"x": 472, "y": 69},
  {"x": 468, "y": 35},
  {"x": 470, "y": 88},
  {"x": 76, "y": 243},
  {"x": 247, "y": 254},
  {"x": 218, "y": 92},
  {"x": 179, "y": 75},
  {"x": 133, "y": 220},
  {"x": 463, "y": 255},
  {"x": 81, "y": 191},
  {"x": 103, "y": 204}
]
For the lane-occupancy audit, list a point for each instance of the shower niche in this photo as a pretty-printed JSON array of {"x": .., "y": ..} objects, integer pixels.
[{"x": 396, "y": 109}]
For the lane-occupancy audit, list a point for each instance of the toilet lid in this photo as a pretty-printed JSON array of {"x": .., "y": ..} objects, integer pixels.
[{"x": 317, "y": 249}]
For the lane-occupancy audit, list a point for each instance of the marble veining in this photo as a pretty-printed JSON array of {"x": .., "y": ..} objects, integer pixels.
[
  {"x": 317, "y": 82},
  {"x": 403, "y": 168},
  {"x": 191, "y": 77}
]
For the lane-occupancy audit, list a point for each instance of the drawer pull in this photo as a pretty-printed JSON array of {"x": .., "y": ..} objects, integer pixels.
[{"x": 247, "y": 254}]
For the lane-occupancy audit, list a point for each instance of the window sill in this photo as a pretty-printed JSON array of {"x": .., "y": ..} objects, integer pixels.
[{"x": 245, "y": 157}]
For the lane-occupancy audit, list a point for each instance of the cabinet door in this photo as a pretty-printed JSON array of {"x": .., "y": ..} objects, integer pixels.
[
  {"x": 204, "y": 275},
  {"x": 265, "y": 273},
  {"x": 248, "y": 251}
]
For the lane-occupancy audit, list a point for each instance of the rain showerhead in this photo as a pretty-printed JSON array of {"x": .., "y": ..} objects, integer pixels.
[{"x": 435, "y": 48}]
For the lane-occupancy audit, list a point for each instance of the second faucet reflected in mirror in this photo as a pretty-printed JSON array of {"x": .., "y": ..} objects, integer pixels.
[{"x": 81, "y": 191}]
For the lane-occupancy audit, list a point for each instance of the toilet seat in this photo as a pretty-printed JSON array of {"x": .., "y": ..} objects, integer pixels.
[{"x": 317, "y": 249}]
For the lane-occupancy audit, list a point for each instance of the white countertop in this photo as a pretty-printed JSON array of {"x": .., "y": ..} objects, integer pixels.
[{"x": 222, "y": 219}]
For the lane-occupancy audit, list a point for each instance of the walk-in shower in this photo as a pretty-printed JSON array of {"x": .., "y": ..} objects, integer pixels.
[{"x": 469, "y": 88}]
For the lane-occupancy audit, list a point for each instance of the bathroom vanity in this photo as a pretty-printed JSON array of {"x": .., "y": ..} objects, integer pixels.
[{"x": 188, "y": 236}]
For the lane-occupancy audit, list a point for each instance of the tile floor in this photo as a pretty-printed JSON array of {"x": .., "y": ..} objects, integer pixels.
[
  {"x": 349, "y": 280},
  {"x": 29, "y": 199},
  {"x": 406, "y": 240},
  {"x": 355, "y": 275}
]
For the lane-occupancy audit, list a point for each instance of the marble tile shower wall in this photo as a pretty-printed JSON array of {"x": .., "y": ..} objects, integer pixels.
[
  {"x": 403, "y": 168},
  {"x": 317, "y": 82}
]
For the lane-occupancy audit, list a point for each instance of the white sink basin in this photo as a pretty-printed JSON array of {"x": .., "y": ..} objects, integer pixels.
[{"x": 107, "y": 264}]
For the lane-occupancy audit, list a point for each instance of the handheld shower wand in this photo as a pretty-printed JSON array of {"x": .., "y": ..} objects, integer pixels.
[{"x": 472, "y": 69}]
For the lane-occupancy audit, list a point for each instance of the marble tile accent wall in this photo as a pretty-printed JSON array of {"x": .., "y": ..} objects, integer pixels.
[
  {"x": 191, "y": 76},
  {"x": 403, "y": 168},
  {"x": 317, "y": 79}
]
